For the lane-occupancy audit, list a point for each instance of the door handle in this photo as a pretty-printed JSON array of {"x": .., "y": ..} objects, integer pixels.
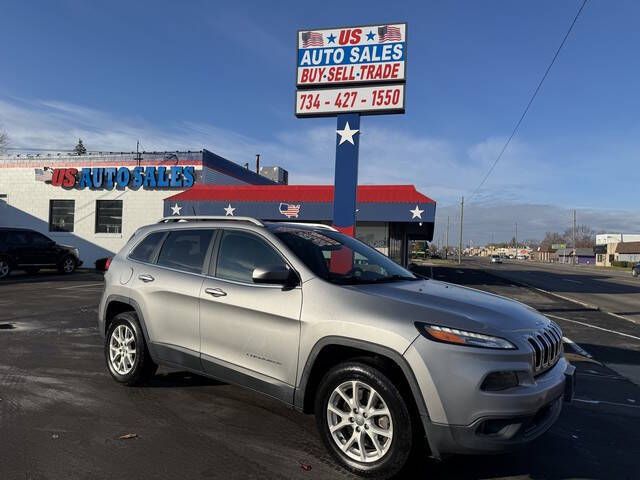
[
  {"x": 146, "y": 278},
  {"x": 215, "y": 292}
]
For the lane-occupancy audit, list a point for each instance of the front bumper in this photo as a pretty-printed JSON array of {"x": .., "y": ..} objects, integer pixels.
[{"x": 462, "y": 418}]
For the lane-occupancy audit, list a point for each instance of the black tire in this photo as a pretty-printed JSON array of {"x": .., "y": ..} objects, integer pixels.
[
  {"x": 67, "y": 265},
  {"x": 143, "y": 367},
  {"x": 32, "y": 270},
  {"x": 5, "y": 267},
  {"x": 401, "y": 446}
]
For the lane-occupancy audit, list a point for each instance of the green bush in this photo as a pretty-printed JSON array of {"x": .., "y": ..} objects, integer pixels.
[{"x": 618, "y": 263}]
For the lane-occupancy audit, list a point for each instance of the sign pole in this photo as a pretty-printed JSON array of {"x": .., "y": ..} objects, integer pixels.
[{"x": 346, "y": 173}]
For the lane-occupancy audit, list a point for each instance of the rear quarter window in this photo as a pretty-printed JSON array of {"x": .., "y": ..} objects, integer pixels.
[{"x": 146, "y": 249}]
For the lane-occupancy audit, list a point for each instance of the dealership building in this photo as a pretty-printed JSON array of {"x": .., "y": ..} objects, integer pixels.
[{"x": 96, "y": 202}]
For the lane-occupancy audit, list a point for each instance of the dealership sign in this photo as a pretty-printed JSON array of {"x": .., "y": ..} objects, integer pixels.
[
  {"x": 347, "y": 72},
  {"x": 331, "y": 101},
  {"x": 148, "y": 178},
  {"x": 367, "y": 62},
  {"x": 370, "y": 54}
]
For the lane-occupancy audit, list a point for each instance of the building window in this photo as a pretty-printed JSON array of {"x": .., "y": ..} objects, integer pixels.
[
  {"x": 61, "y": 215},
  {"x": 108, "y": 216}
]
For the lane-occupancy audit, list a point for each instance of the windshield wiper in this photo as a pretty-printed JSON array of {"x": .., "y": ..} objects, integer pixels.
[{"x": 395, "y": 278}]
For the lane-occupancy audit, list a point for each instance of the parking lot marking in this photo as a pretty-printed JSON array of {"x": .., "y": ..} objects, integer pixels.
[
  {"x": 577, "y": 347},
  {"x": 594, "y": 326},
  {"x": 84, "y": 285},
  {"x": 604, "y": 402}
]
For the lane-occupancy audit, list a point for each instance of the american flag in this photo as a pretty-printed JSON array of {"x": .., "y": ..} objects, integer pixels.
[
  {"x": 288, "y": 210},
  {"x": 389, "y": 33},
  {"x": 312, "y": 39}
]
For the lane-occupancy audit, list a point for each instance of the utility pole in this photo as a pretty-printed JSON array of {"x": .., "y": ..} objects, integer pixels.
[
  {"x": 446, "y": 248},
  {"x": 460, "y": 239},
  {"x": 575, "y": 249},
  {"x": 138, "y": 158},
  {"x": 516, "y": 240},
  {"x": 258, "y": 163}
]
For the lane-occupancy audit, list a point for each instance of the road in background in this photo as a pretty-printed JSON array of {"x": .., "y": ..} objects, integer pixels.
[{"x": 611, "y": 290}]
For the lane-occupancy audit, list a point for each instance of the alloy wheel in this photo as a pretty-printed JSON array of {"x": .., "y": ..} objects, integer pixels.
[
  {"x": 359, "y": 421},
  {"x": 4, "y": 268},
  {"x": 122, "y": 349},
  {"x": 68, "y": 265}
]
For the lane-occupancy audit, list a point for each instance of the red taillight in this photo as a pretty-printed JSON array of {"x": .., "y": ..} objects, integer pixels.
[{"x": 107, "y": 264}]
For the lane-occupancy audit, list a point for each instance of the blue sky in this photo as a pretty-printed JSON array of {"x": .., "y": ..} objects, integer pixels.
[{"x": 220, "y": 75}]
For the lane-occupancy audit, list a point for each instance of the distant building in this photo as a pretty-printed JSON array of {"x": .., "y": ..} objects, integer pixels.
[
  {"x": 607, "y": 243},
  {"x": 276, "y": 174},
  {"x": 627, "y": 252},
  {"x": 544, "y": 254},
  {"x": 605, "y": 238},
  {"x": 579, "y": 256}
]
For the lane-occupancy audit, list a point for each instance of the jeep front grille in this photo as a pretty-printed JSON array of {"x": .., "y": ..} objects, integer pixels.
[{"x": 547, "y": 347}]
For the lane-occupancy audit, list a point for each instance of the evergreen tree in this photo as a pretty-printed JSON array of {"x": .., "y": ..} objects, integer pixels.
[
  {"x": 80, "y": 149},
  {"x": 4, "y": 141}
]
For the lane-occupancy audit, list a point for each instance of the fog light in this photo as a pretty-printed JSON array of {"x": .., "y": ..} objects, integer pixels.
[{"x": 497, "y": 381}]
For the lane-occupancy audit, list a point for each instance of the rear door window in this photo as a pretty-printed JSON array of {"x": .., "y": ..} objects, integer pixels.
[
  {"x": 146, "y": 249},
  {"x": 185, "y": 250},
  {"x": 19, "y": 238},
  {"x": 38, "y": 240}
]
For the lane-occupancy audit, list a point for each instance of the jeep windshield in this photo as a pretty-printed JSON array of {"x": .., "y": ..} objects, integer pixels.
[{"x": 340, "y": 259}]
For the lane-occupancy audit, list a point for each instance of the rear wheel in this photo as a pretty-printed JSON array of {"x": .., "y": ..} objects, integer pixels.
[
  {"x": 364, "y": 421},
  {"x": 126, "y": 352},
  {"x": 5, "y": 267},
  {"x": 67, "y": 265}
]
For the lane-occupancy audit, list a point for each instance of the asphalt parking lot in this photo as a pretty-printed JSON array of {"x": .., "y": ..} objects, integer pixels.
[{"x": 62, "y": 417}]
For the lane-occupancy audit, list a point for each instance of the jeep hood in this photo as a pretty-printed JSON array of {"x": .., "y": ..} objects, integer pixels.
[{"x": 442, "y": 303}]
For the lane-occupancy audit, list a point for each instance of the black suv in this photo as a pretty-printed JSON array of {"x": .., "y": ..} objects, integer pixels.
[{"x": 24, "y": 249}]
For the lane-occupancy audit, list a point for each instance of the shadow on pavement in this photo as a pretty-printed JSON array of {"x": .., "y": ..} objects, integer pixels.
[
  {"x": 180, "y": 379},
  {"x": 51, "y": 276}
]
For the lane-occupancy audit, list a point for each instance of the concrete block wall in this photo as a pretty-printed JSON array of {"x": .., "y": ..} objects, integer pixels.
[{"x": 27, "y": 205}]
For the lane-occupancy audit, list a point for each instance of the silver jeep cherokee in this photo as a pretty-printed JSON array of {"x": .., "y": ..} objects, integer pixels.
[{"x": 324, "y": 323}]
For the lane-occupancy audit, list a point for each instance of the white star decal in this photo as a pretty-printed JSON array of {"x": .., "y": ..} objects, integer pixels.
[
  {"x": 175, "y": 210},
  {"x": 228, "y": 211},
  {"x": 346, "y": 134},
  {"x": 416, "y": 212}
]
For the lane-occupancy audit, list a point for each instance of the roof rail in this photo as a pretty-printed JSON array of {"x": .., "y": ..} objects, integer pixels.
[
  {"x": 319, "y": 225},
  {"x": 217, "y": 218},
  {"x": 322, "y": 226}
]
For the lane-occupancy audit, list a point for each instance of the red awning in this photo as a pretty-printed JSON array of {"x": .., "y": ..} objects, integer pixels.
[{"x": 301, "y": 193}]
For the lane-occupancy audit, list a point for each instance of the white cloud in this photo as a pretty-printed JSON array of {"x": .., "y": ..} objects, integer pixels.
[{"x": 439, "y": 168}]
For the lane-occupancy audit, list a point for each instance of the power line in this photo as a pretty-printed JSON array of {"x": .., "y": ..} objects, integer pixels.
[{"x": 533, "y": 97}]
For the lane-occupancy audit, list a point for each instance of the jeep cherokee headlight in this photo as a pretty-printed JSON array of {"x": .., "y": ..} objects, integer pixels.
[{"x": 462, "y": 337}]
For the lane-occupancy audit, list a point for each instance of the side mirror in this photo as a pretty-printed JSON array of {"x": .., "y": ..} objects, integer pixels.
[{"x": 275, "y": 275}]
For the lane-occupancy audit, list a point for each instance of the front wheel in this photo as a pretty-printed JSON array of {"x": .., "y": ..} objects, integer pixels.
[
  {"x": 364, "y": 421},
  {"x": 126, "y": 353},
  {"x": 67, "y": 265},
  {"x": 5, "y": 267}
]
